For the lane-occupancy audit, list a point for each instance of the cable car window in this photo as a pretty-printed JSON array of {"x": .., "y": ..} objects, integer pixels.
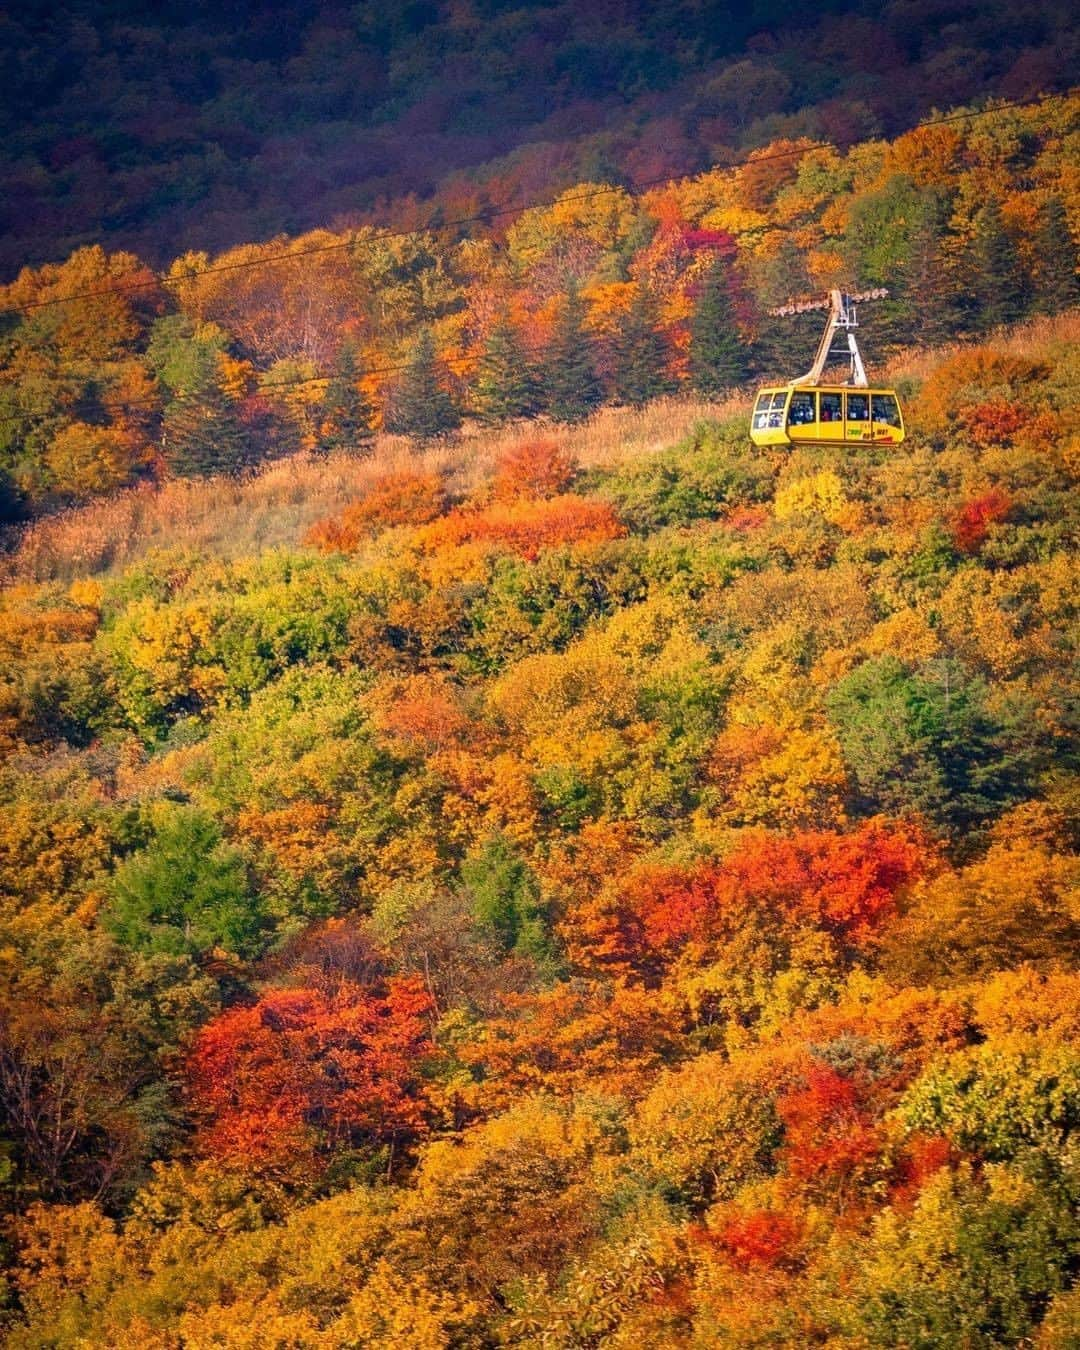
[
  {"x": 802, "y": 410},
  {"x": 886, "y": 409},
  {"x": 832, "y": 408},
  {"x": 761, "y": 411},
  {"x": 776, "y": 412},
  {"x": 858, "y": 407}
]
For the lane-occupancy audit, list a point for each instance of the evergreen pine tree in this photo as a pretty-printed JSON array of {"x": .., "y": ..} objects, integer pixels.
[
  {"x": 640, "y": 355},
  {"x": 782, "y": 345},
  {"x": 202, "y": 433},
  {"x": 572, "y": 389},
  {"x": 202, "y": 429},
  {"x": 929, "y": 295},
  {"x": 346, "y": 411},
  {"x": 717, "y": 355},
  {"x": 999, "y": 282},
  {"x": 268, "y": 430},
  {"x": 1056, "y": 287},
  {"x": 506, "y": 385},
  {"x": 423, "y": 408}
]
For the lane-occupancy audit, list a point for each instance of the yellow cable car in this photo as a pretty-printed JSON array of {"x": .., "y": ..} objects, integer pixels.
[{"x": 810, "y": 412}]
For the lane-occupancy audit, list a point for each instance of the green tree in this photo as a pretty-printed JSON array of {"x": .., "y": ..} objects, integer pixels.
[
  {"x": 571, "y": 387},
  {"x": 999, "y": 291},
  {"x": 506, "y": 383},
  {"x": 929, "y": 309},
  {"x": 1006, "y": 1099},
  {"x": 505, "y": 897},
  {"x": 924, "y": 741},
  {"x": 1056, "y": 286},
  {"x": 717, "y": 353},
  {"x": 974, "y": 1263},
  {"x": 881, "y": 228},
  {"x": 202, "y": 432},
  {"x": 346, "y": 411},
  {"x": 422, "y": 406},
  {"x": 782, "y": 344},
  {"x": 640, "y": 355},
  {"x": 183, "y": 355},
  {"x": 186, "y": 893}
]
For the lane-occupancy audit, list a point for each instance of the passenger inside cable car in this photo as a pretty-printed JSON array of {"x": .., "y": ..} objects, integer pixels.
[
  {"x": 886, "y": 409},
  {"x": 802, "y": 411},
  {"x": 769, "y": 411}
]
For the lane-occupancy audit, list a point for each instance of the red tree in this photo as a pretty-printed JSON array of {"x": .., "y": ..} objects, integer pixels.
[
  {"x": 762, "y": 1238},
  {"x": 972, "y": 522},
  {"x": 829, "y": 1133},
  {"x": 304, "y": 1072},
  {"x": 845, "y": 883}
]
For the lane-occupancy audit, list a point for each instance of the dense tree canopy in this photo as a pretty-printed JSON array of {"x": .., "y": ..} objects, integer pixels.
[{"x": 550, "y": 887}]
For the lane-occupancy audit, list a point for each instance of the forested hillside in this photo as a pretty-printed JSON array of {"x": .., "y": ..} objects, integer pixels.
[
  {"x": 561, "y": 903},
  {"x": 487, "y": 856},
  {"x": 200, "y": 126},
  {"x": 111, "y": 374}
]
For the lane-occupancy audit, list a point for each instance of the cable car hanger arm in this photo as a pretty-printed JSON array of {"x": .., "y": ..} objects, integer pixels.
[{"x": 842, "y": 316}]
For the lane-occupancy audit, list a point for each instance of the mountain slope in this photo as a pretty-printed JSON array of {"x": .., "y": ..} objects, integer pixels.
[{"x": 562, "y": 905}]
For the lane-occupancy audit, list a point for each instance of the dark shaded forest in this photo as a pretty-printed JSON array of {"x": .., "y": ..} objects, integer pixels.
[{"x": 203, "y": 126}]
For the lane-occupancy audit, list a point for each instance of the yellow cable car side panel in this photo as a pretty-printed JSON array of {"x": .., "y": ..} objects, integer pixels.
[{"x": 826, "y": 415}]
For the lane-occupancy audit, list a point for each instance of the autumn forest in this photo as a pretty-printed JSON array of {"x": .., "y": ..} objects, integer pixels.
[{"x": 488, "y": 857}]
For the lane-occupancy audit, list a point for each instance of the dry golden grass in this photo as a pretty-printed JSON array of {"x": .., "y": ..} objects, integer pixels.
[
  {"x": 231, "y": 517},
  {"x": 1031, "y": 339},
  {"x": 615, "y": 435}
]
